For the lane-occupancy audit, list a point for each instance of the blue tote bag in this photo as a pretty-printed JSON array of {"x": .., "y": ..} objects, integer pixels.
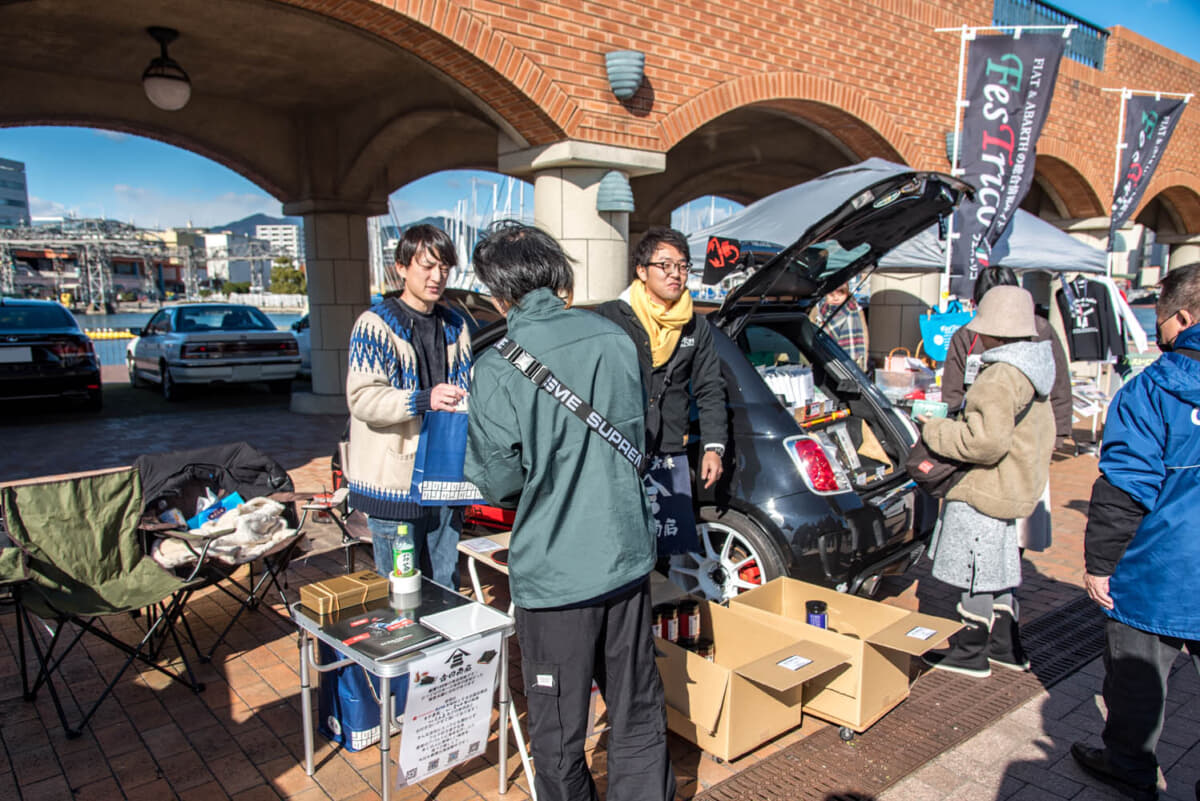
[
  {"x": 938, "y": 327},
  {"x": 438, "y": 467}
]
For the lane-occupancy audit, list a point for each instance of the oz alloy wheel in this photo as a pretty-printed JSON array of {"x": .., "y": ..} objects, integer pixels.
[{"x": 735, "y": 555}]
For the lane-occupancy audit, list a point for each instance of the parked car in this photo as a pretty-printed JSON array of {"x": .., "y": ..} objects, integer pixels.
[
  {"x": 208, "y": 343},
  {"x": 796, "y": 499},
  {"x": 45, "y": 354},
  {"x": 301, "y": 329}
]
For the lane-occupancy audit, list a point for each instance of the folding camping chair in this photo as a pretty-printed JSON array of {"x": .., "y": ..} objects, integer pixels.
[
  {"x": 179, "y": 479},
  {"x": 85, "y": 562},
  {"x": 352, "y": 524}
]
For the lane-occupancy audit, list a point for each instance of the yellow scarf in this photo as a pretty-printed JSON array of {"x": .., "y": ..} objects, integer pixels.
[{"x": 662, "y": 324}]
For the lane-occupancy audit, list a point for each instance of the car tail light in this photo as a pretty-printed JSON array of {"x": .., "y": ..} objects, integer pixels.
[
  {"x": 289, "y": 348},
  {"x": 199, "y": 350},
  {"x": 71, "y": 348},
  {"x": 821, "y": 475}
]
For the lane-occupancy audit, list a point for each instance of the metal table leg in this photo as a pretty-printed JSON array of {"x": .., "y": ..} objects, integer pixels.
[
  {"x": 306, "y": 703},
  {"x": 505, "y": 701},
  {"x": 385, "y": 733}
]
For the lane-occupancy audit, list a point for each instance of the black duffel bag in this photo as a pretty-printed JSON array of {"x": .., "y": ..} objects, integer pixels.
[{"x": 935, "y": 474}]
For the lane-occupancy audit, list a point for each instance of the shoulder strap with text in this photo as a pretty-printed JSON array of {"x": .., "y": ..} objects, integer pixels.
[{"x": 525, "y": 363}]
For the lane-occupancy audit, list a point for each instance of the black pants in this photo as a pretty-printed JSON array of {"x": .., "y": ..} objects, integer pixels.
[
  {"x": 1136, "y": 666},
  {"x": 562, "y": 650}
]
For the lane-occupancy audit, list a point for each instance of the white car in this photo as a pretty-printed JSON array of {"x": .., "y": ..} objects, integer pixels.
[
  {"x": 208, "y": 343},
  {"x": 303, "y": 333}
]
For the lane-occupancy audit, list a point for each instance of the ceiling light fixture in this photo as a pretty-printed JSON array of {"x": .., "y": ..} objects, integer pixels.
[{"x": 167, "y": 85}]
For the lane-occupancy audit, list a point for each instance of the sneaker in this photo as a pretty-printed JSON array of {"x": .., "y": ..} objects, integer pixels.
[
  {"x": 949, "y": 662},
  {"x": 1094, "y": 762}
]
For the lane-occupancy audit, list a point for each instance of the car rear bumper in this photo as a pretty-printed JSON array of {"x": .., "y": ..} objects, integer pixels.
[
  {"x": 234, "y": 372},
  {"x": 59, "y": 385}
]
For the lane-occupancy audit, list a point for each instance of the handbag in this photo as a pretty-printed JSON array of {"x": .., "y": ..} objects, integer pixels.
[
  {"x": 938, "y": 327},
  {"x": 437, "y": 478},
  {"x": 348, "y": 704},
  {"x": 935, "y": 474}
]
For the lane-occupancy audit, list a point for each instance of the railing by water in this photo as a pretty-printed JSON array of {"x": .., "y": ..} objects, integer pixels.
[{"x": 1087, "y": 42}]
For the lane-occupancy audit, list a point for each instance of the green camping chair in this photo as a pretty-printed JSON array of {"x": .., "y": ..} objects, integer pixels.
[{"x": 85, "y": 561}]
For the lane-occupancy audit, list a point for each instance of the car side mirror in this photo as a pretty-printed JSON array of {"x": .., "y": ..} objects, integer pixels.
[{"x": 137, "y": 332}]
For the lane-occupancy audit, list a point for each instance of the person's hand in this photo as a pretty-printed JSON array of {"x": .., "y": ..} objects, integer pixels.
[
  {"x": 1097, "y": 589},
  {"x": 711, "y": 468},
  {"x": 922, "y": 419},
  {"x": 446, "y": 397}
]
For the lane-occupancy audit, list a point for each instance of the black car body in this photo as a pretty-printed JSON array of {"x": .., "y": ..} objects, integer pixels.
[
  {"x": 45, "y": 354},
  {"x": 791, "y": 501}
]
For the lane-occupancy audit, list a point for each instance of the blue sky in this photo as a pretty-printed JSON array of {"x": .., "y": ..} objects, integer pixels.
[{"x": 92, "y": 173}]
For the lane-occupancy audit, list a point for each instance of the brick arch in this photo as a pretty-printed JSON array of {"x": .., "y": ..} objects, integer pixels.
[
  {"x": 476, "y": 56},
  {"x": 201, "y": 147},
  {"x": 1071, "y": 187},
  {"x": 826, "y": 103},
  {"x": 1175, "y": 187}
]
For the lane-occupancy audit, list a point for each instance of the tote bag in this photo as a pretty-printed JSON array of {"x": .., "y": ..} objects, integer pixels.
[
  {"x": 937, "y": 328},
  {"x": 438, "y": 467}
]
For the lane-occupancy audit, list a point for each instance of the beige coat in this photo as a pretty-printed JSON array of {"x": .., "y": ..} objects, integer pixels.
[{"x": 1012, "y": 457}]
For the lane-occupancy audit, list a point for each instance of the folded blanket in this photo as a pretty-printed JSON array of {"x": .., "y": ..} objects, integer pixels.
[{"x": 250, "y": 531}]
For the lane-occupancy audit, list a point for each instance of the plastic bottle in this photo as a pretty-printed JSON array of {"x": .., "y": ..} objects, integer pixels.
[{"x": 404, "y": 556}]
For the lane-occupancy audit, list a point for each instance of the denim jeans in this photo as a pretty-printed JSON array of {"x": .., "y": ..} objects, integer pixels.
[
  {"x": 434, "y": 535},
  {"x": 1136, "y": 666}
]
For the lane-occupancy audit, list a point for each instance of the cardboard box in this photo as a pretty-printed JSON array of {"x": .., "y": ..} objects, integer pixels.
[
  {"x": 876, "y": 643},
  {"x": 342, "y": 592},
  {"x": 750, "y": 692}
]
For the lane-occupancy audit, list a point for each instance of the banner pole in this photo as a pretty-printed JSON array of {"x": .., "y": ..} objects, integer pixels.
[
  {"x": 1108, "y": 262},
  {"x": 966, "y": 34}
]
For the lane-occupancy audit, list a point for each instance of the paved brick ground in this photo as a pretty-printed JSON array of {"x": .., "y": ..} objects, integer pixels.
[{"x": 241, "y": 739}]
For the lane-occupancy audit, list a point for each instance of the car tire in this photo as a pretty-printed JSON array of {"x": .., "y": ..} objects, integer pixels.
[
  {"x": 95, "y": 401},
  {"x": 282, "y": 387},
  {"x": 170, "y": 390},
  {"x": 135, "y": 380},
  {"x": 735, "y": 555}
]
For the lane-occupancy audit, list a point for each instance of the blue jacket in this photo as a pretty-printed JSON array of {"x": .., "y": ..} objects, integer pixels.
[{"x": 1152, "y": 452}]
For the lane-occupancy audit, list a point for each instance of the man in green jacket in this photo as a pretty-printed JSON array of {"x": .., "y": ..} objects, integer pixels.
[{"x": 582, "y": 542}]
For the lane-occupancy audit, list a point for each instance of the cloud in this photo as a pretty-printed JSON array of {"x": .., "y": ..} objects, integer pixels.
[
  {"x": 151, "y": 208},
  {"x": 116, "y": 136},
  {"x": 43, "y": 207}
]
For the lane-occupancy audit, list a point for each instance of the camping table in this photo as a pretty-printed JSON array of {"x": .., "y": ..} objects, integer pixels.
[{"x": 310, "y": 625}]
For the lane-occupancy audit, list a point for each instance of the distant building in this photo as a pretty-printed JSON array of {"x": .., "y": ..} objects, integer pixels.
[
  {"x": 283, "y": 239},
  {"x": 14, "y": 194},
  {"x": 238, "y": 258}
]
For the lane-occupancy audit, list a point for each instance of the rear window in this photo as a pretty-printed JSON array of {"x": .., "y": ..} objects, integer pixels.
[
  {"x": 223, "y": 318},
  {"x": 35, "y": 317}
]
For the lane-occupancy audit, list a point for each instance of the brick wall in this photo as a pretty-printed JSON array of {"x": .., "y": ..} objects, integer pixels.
[{"x": 540, "y": 65}]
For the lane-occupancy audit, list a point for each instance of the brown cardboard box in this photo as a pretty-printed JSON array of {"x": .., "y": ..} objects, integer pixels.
[
  {"x": 875, "y": 641},
  {"x": 750, "y": 692},
  {"x": 341, "y": 592}
]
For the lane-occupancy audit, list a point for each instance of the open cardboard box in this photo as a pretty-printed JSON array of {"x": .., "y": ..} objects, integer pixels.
[
  {"x": 875, "y": 643},
  {"x": 750, "y": 692}
]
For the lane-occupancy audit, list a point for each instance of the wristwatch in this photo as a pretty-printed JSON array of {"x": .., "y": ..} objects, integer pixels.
[{"x": 716, "y": 448}]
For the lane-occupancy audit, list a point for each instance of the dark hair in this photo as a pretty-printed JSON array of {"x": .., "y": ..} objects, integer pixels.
[
  {"x": 429, "y": 237},
  {"x": 659, "y": 235},
  {"x": 1180, "y": 289},
  {"x": 513, "y": 259},
  {"x": 993, "y": 276}
]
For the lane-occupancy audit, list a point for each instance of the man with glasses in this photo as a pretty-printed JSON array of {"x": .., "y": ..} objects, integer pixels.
[
  {"x": 408, "y": 355},
  {"x": 678, "y": 361}
]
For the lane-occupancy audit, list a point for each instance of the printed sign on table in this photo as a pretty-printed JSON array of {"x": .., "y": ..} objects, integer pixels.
[{"x": 449, "y": 710}]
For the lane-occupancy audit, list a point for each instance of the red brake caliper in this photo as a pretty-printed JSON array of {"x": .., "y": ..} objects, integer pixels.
[{"x": 750, "y": 573}]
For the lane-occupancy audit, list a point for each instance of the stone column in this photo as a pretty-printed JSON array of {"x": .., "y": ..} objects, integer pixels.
[
  {"x": 566, "y": 178},
  {"x": 338, "y": 270}
]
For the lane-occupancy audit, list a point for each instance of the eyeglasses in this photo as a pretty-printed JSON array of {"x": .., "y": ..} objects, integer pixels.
[{"x": 671, "y": 267}]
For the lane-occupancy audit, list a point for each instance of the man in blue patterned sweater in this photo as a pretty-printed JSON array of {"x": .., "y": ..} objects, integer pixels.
[{"x": 408, "y": 355}]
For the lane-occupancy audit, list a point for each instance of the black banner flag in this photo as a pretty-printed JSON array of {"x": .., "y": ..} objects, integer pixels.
[
  {"x": 1148, "y": 126},
  {"x": 1009, "y": 85},
  {"x": 722, "y": 256}
]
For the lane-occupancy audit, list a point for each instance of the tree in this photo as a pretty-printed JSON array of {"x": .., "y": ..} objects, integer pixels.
[
  {"x": 236, "y": 287},
  {"x": 286, "y": 279}
]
